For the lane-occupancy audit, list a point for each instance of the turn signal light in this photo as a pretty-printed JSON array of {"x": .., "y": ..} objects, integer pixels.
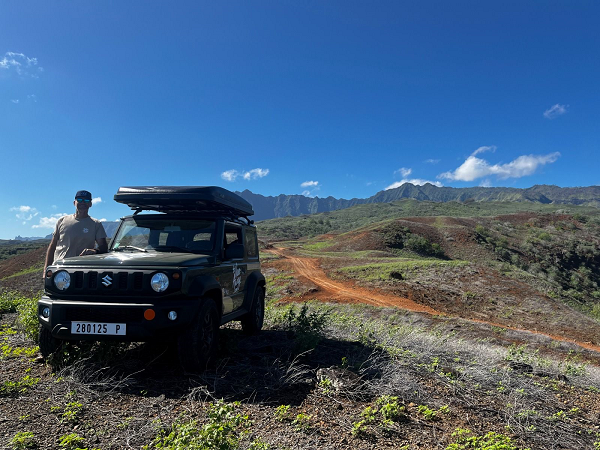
[
  {"x": 176, "y": 276},
  {"x": 48, "y": 273}
]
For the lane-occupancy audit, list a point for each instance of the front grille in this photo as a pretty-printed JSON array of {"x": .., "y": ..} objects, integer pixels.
[
  {"x": 78, "y": 282},
  {"x": 138, "y": 280},
  {"x": 93, "y": 280},
  {"x": 123, "y": 280},
  {"x": 104, "y": 314}
]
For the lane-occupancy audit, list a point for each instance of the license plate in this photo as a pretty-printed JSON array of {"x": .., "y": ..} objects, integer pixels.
[{"x": 115, "y": 329}]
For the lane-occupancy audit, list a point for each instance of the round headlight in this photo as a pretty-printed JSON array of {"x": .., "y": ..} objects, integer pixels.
[
  {"x": 62, "y": 280},
  {"x": 159, "y": 282}
]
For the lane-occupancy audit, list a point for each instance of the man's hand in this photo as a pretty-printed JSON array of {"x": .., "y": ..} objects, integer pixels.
[{"x": 88, "y": 251}]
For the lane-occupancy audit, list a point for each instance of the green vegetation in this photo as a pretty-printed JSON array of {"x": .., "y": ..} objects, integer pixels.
[
  {"x": 464, "y": 439},
  {"x": 8, "y": 249},
  {"x": 23, "y": 440},
  {"x": 361, "y": 215},
  {"x": 32, "y": 269},
  {"x": 307, "y": 325},
  {"x": 26, "y": 309},
  {"x": 397, "y": 270},
  {"x": 11, "y": 388},
  {"x": 223, "y": 431}
]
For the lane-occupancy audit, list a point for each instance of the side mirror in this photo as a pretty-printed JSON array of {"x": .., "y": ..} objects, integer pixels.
[{"x": 234, "y": 251}]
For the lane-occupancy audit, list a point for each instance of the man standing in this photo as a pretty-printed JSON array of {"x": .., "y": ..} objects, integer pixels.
[{"x": 77, "y": 234}]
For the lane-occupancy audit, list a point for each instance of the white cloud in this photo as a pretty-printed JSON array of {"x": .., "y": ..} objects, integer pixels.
[
  {"x": 102, "y": 220},
  {"x": 96, "y": 200},
  {"x": 403, "y": 171},
  {"x": 15, "y": 101},
  {"x": 306, "y": 193},
  {"x": 474, "y": 168},
  {"x": 32, "y": 97},
  {"x": 256, "y": 173},
  {"x": 309, "y": 184},
  {"x": 48, "y": 222},
  {"x": 483, "y": 149},
  {"x": 432, "y": 161},
  {"x": 232, "y": 175},
  {"x": 554, "y": 111},
  {"x": 415, "y": 181},
  {"x": 25, "y": 212},
  {"x": 485, "y": 183},
  {"x": 21, "y": 64}
]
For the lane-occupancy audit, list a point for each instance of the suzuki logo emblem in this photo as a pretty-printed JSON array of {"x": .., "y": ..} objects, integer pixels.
[{"x": 107, "y": 281}]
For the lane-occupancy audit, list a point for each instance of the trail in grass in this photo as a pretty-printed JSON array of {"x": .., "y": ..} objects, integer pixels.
[
  {"x": 337, "y": 291},
  {"x": 309, "y": 269}
]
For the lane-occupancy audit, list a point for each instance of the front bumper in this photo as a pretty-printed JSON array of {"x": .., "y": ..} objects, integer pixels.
[{"x": 63, "y": 312}]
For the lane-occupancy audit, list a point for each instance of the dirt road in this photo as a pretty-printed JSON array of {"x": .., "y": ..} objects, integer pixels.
[
  {"x": 338, "y": 291},
  {"x": 309, "y": 269}
]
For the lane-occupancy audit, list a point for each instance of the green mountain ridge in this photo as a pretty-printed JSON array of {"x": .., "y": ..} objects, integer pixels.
[{"x": 269, "y": 207}]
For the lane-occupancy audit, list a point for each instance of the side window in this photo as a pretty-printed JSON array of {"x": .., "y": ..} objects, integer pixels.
[
  {"x": 233, "y": 235},
  {"x": 251, "y": 247}
]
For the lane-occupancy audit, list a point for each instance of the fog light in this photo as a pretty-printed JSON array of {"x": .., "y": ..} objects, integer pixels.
[
  {"x": 172, "y": 315},
  {"x": 46, "y": 312}
]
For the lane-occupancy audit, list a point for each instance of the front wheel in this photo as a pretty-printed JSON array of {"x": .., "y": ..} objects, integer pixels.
[
  {"x": 252, "y": 322},
  {"x": 48, "y": 343},
  {"x": 197, "y": 346}
]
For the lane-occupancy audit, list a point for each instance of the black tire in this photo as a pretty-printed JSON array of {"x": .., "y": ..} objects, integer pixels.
[
  {"x": 197, "y": 346},
  {"x": 48, "y": 343},
  {"x": 252, "y": 322}
]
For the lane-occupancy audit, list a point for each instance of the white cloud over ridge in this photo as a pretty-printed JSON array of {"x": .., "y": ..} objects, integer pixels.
[
  {"x": 474, "y": 167},
  {"x": 403, "y": 171},
  {"x": 554, "y": 111},
  {"x": 49, "y": 222},
  {"x": 310, "y": 184},
  {"x": 415, "y": 181},
  {"x": 21, "y": 64},
  {"x": 254, "y": 174}
]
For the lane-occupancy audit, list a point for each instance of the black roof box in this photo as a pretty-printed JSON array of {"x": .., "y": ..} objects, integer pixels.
[{"x": 201, "y": 199}]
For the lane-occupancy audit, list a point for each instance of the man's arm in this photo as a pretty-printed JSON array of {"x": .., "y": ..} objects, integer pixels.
[
  {"x": 102, "y": 248},
  {"x": 50, "y": 252}
]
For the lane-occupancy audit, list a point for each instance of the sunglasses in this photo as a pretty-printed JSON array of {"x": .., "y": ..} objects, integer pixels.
[{"x": 81, "y": 200}]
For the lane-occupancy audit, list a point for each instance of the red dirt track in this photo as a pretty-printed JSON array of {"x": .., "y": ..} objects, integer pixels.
[{"x": 336, "y": 291}]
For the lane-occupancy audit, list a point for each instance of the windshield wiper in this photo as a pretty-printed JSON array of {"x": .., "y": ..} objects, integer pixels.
[
  {"x": 129, "y": 247},
  {"x": 168, "y": 248}
]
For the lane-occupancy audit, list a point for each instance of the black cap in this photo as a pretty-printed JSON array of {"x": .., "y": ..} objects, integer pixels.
[{"x": 84, "y": 195}]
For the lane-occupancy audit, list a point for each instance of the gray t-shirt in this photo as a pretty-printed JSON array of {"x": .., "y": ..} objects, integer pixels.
[{"x": 75, "y": 235}]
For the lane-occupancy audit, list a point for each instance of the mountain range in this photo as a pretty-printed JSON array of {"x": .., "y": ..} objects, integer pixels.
[{"x": 269, "y": 207}]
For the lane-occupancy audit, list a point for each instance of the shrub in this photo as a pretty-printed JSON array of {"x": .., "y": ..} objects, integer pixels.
[
  {"x": 222, "y": 431},
  {"x": 308, "y": 326},
  {"x": 491, "y": 441},
  {"x": 23, "y": 440}
]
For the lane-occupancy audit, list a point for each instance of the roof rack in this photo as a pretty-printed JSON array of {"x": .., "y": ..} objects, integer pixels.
[{"x": 206, "y": 201}]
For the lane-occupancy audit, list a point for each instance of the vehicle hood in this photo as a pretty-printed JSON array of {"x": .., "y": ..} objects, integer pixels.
[{"x": 138, "y": 259}]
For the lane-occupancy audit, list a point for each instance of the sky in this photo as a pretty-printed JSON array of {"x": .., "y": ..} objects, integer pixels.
[{"x": 321, "y": 98}]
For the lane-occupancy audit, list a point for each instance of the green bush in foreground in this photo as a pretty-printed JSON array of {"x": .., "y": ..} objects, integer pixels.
[
  {"x": 23, "y": 440},
  {"x": 223, "y": 431},
  {"x": 26, "y": 309},
  {"x": 491, "y": 441}
]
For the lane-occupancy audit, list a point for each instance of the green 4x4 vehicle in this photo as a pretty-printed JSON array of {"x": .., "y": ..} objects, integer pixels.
[{"x": 176, "y": 274}]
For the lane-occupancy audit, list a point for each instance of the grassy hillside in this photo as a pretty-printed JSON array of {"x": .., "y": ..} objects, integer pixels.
[{"x": 361, "y": 215}]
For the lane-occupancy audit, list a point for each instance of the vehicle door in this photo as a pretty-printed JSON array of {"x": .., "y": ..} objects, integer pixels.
[{"x": 234, "y": 275}]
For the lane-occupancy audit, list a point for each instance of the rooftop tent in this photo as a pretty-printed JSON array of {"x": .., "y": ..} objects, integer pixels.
[{"x": 202, "y": 199}]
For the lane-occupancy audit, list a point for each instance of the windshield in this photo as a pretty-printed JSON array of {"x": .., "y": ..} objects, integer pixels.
[{"x": 170, "y": 235}]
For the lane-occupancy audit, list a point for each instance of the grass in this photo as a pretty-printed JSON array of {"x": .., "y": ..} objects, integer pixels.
[
  {"x": 32, "y": 269},
  {"x": 390, "y": 270}
]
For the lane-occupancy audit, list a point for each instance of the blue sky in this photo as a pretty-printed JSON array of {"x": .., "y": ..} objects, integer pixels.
[{"x": 335, "y": 98}]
